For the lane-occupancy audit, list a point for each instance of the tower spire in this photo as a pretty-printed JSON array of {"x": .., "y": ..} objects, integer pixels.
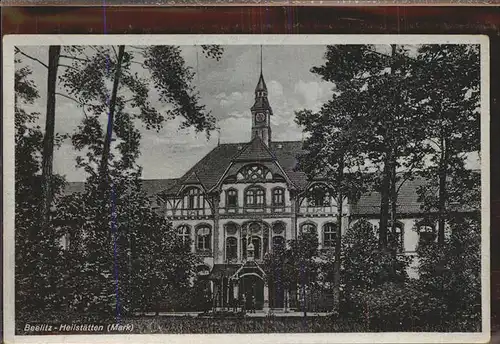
[
  {"x": 261, "y": 110},
  {"x": 261, "y": 59}
]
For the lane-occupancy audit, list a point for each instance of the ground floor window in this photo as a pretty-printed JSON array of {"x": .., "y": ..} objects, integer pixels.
[{"x": 231, "y": 248}]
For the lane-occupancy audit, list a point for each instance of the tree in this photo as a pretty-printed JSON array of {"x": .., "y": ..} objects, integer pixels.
[
  {"x": 294, "y": 266},
  {"x": 334, "y": 154},
  {"x": 390, "y": 131},
  {"x": 48, "y": 139},
  {"x": 37, "y": 254},
  {"x": 449, "y": 99},
  {"x": 451, "y": 274},
  {"x": 367, "y": 267},
  {"x": 121, "y": 235}
]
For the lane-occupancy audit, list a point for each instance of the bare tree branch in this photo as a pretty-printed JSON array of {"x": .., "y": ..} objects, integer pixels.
[{"x": 31, "y": 57}]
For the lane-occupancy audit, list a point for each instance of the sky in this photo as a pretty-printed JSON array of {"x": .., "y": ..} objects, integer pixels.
[{"x": 226, "y": 88}]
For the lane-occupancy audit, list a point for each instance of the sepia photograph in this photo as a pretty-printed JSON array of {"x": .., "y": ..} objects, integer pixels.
[{"x": 326, "y": 185}]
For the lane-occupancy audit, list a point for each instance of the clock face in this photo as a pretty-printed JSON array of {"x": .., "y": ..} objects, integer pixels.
[{"x": 260, "y": 117}]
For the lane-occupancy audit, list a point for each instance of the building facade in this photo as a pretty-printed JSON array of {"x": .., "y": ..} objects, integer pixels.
[{"x": 242, "y": 200}]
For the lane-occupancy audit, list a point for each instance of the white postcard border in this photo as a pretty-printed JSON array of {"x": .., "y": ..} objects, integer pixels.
[{"x": 10, "y": 41}]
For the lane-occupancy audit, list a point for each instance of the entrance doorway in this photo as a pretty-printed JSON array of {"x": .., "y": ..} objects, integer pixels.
[{"x": 251, "y": 290}]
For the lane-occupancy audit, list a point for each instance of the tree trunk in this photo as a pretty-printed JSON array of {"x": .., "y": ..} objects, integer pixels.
[
  {"x": 387, "y": 173},
  {"x": 48, "y": 139},
  {"x": 384, "y": 201},
  {"x": 338, "y": 245},
  {"x": 103, "y": 168},
  {"x": 442, "y": 193}
]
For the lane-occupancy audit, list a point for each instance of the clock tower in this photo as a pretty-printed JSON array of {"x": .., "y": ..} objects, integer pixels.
[{"x": 261, "y": 113}]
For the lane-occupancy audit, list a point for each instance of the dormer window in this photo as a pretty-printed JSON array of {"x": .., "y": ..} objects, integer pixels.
[
  {"x": 254, "y": 173},
  {"x": 193, "y": 199}
]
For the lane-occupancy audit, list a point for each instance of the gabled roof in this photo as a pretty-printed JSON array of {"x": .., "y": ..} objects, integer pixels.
[
  {"x": 212, "y": 167},
  {"x": 256, "y": 150}
]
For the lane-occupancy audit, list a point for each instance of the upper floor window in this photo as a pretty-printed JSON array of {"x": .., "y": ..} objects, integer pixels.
[
  {"x": 255, "y": 196},
  {"x": 193, "y": 199},
  {"x": 231, "y": 248},
  {"x": 232, "y": 198},
  {"x": 308, "y": 227},
  {"x": 329, "y": 234},
  {"x": 203, "y": 238},
  {"x": 184, "y": 233},
  {"x": 254, "y": 173},
  {"x": 278, "y": 196},
  {"x": 319, "y": 196}
]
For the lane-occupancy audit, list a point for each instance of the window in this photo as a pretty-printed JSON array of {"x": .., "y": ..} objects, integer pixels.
[
  {"x": 193, "y": 199},
  {"x": 232, "y": 198},
  {"x": 231, "y": 228},
  {"x": 308, "y": 227},
  {"x": 278, "y": 197},
  {"x": 319, "y": 196},
  {"x": 203, "y": 235},
  {"x": 254, "y": 172},
  {"x": 255, "y": 196},
  {"x": 184, "y": 233},
  {"x": 426, "y": 233},
  {"x": 231, "y": 248},
  {"x": 65, "y": 241},
  {"x": 329, "y": 235},
  {"x": 278, "y": 243},
  {"x": 278, "y": 227},
  {"x": 396, "y": 237}
]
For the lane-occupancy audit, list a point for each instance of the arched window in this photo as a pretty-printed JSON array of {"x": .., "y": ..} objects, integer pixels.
[
  {"x": 193, "y": 199},
  {"x": 184, "y": 233},
  {"x": 319, "y": 196},
  {"x": 278, "y": 243},
  {"x": 254, "y": 173},
  {"x": 203, "y": 234},
  {"x": 232, "y": 198},
  {"x": 278, "y": 197},
  {"x": 329, "y": 234},
  {"x": 255, "y": 197},
  {"x": 426, "y": 232},
  {"x": 308, "y": 227},
  {"x": 278, "y": 227},
  {"x": 231, "y": 228}
]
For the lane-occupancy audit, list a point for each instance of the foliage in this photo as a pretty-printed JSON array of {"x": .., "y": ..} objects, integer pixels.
[
  {"x": 37, "y": 254},
  {"x": 451, "y": 274},
  {"x": 366, "y": 267},
  {"x": 452, "y": 113},
  {"x": 121, "y": 255}
]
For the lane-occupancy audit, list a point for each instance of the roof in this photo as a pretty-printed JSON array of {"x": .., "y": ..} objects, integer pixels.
[
  {"x": 369, "y": 202},
  {"x": 211, "y": 167},
  {"x": 261, "y": 84},
  {"x": 255, "y": 151},
  {"x": 223, "y": 270},
  {"x": 150, "y": 187}
]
